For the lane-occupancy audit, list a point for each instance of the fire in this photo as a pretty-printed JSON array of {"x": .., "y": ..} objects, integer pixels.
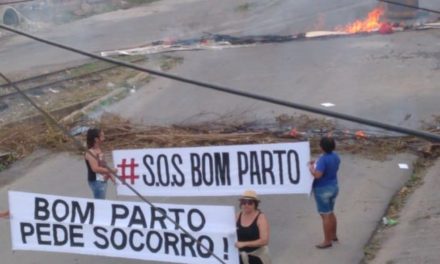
[{"x": 369, "y": 24}]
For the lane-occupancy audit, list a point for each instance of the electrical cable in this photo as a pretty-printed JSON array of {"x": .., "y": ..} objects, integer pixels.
[
  {"x": 421, "y": 134},
  {"x": 407, "y": 131},
  {"x": 82, "y": 148}
]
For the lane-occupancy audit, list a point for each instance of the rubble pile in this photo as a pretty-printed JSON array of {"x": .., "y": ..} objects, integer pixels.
[{"x": 22, "y": 138}]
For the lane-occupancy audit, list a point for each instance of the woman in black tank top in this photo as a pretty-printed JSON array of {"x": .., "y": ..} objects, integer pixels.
[
  {"x": 252, "y": 227},
  {"x": 97, "y": 172}
]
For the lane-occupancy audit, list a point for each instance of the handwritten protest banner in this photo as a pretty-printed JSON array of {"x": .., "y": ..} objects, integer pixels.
[
  {"x": 215, "y": 171},
  {"x": 123, "y": 229}
]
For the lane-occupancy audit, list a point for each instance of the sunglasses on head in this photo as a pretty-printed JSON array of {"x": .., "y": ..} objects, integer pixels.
[{"x": 246, "y": 201}]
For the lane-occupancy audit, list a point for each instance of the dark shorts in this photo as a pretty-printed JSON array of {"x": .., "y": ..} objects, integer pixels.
[
  {"x": 325, "y": 198},
  {"x": 253, "y": 260}
]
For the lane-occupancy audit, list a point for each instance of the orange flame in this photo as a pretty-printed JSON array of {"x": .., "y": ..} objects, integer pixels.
[{"x": 369, "y": 24}]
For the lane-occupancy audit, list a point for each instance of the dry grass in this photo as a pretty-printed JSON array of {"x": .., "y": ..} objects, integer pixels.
[
  {"x": 20, "y": 139},
  {"x": 396, "y": 206}
]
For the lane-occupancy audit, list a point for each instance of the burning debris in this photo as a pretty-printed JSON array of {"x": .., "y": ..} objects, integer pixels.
[
  {"x": 375, "y": 22},
  {"x": 207, "y": 41},
  {"x": 370, "y": 24},
  {"x": 20, "y": 139}
]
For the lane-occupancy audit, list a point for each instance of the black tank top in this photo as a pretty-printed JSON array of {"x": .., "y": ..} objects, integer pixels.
[
  {"x": 91, "y": 175},
  {"x": 248, "y": 233}
]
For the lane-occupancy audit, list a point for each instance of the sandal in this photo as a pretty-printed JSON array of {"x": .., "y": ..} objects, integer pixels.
[{"x": 323, "y": 246}]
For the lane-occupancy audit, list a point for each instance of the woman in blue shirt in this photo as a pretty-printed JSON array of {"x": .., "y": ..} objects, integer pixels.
[{"x": 325, "y": 189}]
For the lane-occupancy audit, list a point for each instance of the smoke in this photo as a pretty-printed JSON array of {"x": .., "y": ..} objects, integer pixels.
[{"x": 262, "y": 17}]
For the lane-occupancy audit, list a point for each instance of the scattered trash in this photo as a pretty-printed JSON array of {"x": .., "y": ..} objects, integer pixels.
[
  {"x": 317, "y": 34},
  {"x": 218, "y": 41},
  {"x": 53, "y": 90},
  {"x": 429, "y": 148},
  {"x": 386, "y": 28},
  {"x": 328, "y": 104},
  {"x": 293, "y": 132},
  {"x": 389, "y": 221},
  {"x": 110, "y": 85},
  {"x": 403, "y": 166},
  {"x": 78, "y": 130},
  {"x": 360, "y": 134},
  {"x": 206, "y": 41}
]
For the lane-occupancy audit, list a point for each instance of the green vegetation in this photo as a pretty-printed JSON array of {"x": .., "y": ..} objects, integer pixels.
[
  {"x": 243, "y": 7},
  {"x": 169, "y": 62},
  {"x": 100, "y": 65},
  {"x": 140, "y": 2},
  {"x": 395, "y": 207},
  {"x": 89, "y": 68},
  {"x": 5, "y": 161}
]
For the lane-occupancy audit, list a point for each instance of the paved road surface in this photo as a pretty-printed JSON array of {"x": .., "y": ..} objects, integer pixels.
[
  {"x": 389, "y": 78},
  {"x": 366, "y": 188},
  {"x": 177, "y": 19},
  {"x": 415, "y": 238}
]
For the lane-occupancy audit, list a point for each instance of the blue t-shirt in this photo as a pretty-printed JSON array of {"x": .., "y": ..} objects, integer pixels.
[{"x": 328, "y": 164}]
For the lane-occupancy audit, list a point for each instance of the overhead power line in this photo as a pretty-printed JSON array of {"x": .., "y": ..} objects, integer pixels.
[
  {"x": 402, "y": 130},
  {"x": 82, "y": 148},
  {"x": 421, "y": 134}
]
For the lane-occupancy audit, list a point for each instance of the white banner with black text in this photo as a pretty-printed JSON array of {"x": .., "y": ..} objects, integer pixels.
[
  {"x": 279, "y": 168},
  {"x": 123, "y": 229}
]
